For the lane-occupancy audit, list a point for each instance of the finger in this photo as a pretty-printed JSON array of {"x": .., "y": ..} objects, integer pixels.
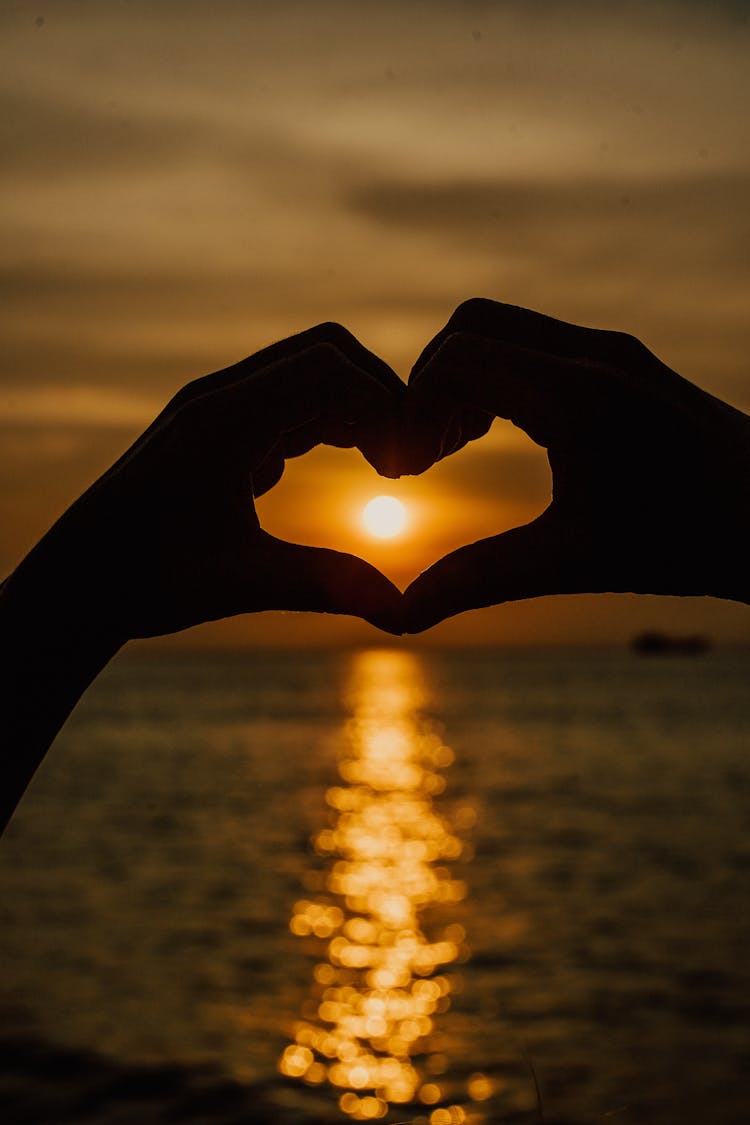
[
  {"x": 436, "y": 419},
  {"x": 528, "y": 329},
  {"x": 329, "y": 333},
  {"x": 268, "y": 474},
  {"x": 282, "y": 354},
  {"x": 433, "y": 428},
  {"x": 290, "y": 576},
  {"x": 548, "y": 343},
  {"x": 315, "y": 390},
  {"x": 323, "y": 431},
  {"x": 472, "y": 379},
  {"x": 296, "y": 443},
  {"x": 468, "y": 425},
  {"x": 526, "y": 562},
  {"x": 330, "y": 363}
]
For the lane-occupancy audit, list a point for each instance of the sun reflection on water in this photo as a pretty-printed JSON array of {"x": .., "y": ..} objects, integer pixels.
[{"x": 383, "y": 981}]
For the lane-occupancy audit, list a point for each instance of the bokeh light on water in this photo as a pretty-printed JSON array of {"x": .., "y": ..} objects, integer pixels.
[
  {"x": 603, "y": 802},
  {"x": 389, "y": 956}
]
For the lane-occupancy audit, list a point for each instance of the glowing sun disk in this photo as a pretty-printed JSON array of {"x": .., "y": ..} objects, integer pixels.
[{"x": 384, "y": 517}]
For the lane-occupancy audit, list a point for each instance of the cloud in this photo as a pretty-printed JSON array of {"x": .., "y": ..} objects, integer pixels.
[
  {"x": 666, "y": 258},
  {"x": 70, "y": 405},
  {"x": 42, "y": 135},
  {"x": 183, "y": 183},
  {"x": 580, "y": 225}
]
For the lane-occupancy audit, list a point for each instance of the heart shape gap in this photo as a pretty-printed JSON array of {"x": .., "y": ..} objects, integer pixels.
[{"x": 499, "y": 482}]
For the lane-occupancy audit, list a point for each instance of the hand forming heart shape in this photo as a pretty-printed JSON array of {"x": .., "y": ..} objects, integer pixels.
[
  {"x": 651, "y": 490},
  {"x": 651, "y": 478},
  {"x": 649, "y": 472}
]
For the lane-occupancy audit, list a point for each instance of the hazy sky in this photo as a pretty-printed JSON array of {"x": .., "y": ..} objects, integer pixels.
[{"x": 183, "y": 183}]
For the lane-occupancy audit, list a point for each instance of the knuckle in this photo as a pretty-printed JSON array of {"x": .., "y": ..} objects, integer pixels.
[
  {"x": 473, "y": 309},
  {"x": 192, "y": 390},
  {"x": 462, "y": 348},
  {"x": 193, "y": 414},
  {"x": 333, "y": 333},
  {"x": 442, "y": 366},
  {"x": 624, "y": 345}
]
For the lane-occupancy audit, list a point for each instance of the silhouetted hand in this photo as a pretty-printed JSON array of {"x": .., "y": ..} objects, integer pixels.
[
  {"x": 651, "y": 475},
  {"x": 169, "y": 538}
]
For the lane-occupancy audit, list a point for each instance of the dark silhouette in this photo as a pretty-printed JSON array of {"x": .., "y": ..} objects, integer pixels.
[
  {"x": 651, "y": 494},
  {"x": 651, "y": 475},
  {"x": 168, "y": 537},
  {"x": 655, "y": 643}
]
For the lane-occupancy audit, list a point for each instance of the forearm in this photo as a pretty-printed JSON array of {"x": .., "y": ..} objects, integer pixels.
[
  {"x": 727, "y": 542},
  {"x": 49, "y": 657}
]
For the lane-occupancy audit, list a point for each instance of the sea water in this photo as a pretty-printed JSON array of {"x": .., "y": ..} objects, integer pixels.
[{"x": 388, "y": 884}]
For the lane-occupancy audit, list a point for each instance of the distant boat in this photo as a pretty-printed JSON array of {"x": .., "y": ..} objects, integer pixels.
[{"x": 656, "y": 644}]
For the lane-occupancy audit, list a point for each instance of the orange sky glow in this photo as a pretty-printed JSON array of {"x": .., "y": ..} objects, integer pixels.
[{"x": 183, "y": 184}]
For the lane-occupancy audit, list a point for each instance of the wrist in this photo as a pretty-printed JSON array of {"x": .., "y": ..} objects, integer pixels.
[
  {"x": 42, "y": 632},
  {"x": 31, "y": 624},
  {"x": 49, "y": 655},
  {"x": 720, "y": 551},
  {"x": 733, "y": 557},
  {"x": 49, "y": 602}
]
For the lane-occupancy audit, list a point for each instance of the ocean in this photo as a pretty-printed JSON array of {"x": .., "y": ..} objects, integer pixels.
[{"x": 387, "y": 884}]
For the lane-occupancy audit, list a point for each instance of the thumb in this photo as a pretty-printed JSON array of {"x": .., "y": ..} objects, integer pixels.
[
  {"x": 526, "y": 562},
  {"x": 290, "y": 576}
]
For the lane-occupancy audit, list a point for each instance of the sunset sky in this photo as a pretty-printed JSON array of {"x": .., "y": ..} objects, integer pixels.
[{"x": 183, "y": 183}]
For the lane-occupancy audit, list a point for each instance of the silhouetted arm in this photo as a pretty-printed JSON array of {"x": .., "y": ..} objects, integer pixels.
[
  {"x": 168, "y": 537},
  {"x": 651, "y": 475},
  {"x": 45, "y": 671}
]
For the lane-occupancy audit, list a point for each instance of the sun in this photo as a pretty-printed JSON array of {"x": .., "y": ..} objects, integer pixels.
[{"x": 384, "y": 517}]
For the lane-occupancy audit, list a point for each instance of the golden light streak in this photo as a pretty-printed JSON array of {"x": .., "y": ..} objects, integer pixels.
[{"x": 382, "y": 984}]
